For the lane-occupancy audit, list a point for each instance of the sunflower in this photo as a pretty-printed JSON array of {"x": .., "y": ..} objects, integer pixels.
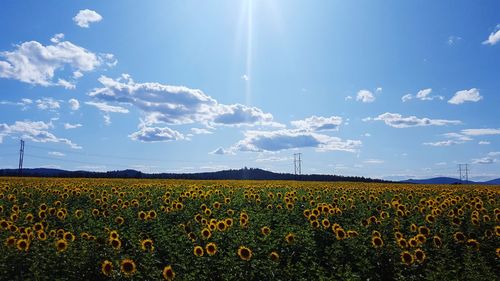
[
  {"x": 128, "y": 267},
  {"x": 498, "y": 252},
  {"x": 290, "y": 238},
  {"x": 147, "y": 245},
  {"x": 265, "y": 230},
  {"x": 211, "y": 248},
  {"x": 497, "y": 230},
  {"x": 113, "y": 234},
  {"x": 352, "y": 233},
  {"x": 375, "y": 233},
  {"x": 421, "y": 238},
  {"x": 473, "y": 244},
  {"x": 61, "y": 245},
  {"x": 221, "y": 226},
  {"x": 119, "y": 220},
  {"x": 419, "y": 255},
  {"x": 68, "y": 236},
  {"x": 424, "y": 230},
  {"x": 413, "y": 242},
  {"x": 377, "y": 242},
  {"x": 168, "y": 273},
  {"x": 274, "y": 256},
  {"x": 198, "y": 251},
  {"x": 115, "y": 243},
  {"x": 325, "y": 223},
  {"x": 413, "y": 227},
  {"x": 459, "y": 237},
  {"x": 430, "y": 218},
  {"x": 406, "y": 258},
  {"x": 10, "y": 241},
  {"x": 107, "y": 268},
  {"x": 23, "y": 245},
  {"x": 206, "y": 233},
  {"x": 402, "y": 243},
  {"x": 244, "y": 253},
  {"x": 42, "y": 236},
  {"x": 340, "y": 234}
]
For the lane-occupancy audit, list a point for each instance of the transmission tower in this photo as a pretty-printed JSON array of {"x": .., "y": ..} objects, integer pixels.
[
  {"x": 463, "y": 170},
  {"x": 297, "y": 163},
  {"x": 21, "y": 158}
]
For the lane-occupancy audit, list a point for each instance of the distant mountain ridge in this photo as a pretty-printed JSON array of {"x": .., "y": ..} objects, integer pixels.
[
  {"x": 240, "y": 174},
  {"x": 447, "y": 180}
]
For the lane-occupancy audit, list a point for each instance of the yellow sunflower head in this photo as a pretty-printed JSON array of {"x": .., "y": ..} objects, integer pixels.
[
  {"x": 211, "y": 248},
  {"x": 168, "y": 273},
  {"x": 244, "y": 253},
  {"x": 128, "y": 267},
  {"x": 107, "y": 268}
]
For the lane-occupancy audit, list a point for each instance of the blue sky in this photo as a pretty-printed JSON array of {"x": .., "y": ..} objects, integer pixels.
[{"x": 386, "y": 89}]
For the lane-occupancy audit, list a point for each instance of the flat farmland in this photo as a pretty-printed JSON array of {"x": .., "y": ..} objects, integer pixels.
[{"x": 114, "y": 229}]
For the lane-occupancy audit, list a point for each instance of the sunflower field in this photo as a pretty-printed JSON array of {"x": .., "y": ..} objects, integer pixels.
[{"x": 117, "y": 229}]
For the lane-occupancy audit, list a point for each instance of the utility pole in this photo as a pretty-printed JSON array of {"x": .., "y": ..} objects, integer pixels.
[
  {"x": 297, "y": 163},
  {"x": 21, "y": 158}
]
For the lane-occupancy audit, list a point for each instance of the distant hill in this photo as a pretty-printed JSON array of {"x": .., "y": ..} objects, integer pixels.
[
  {"x": 239, "y": 174},
  {"x": 446, "y": 180}
]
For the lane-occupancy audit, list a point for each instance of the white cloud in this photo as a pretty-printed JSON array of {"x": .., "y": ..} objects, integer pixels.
[
  {"x": 440, "y": 164},
  {"x": 378, "y": 90},
  {"x": 365, "y": 96},
  {"x": 57, "y": 153},
  {"x": 481, "y": 132},
  {"x": 177, "y": 105},
  {"x": 471, "y": 95},
  {"x": 102, "y": 106},
  {"x": 423, "y": 95},
  {"x": 494, "y": 153},
  {"x": 484, "y": 160},
  {"x": 494, "y": 36},
  {"x": 74, "y": 104},
  {"x": 238, "y": 114},
  {"x": 318, "y": 123},
  {"x": 85, "y": 17},
  {"x": 260, "y": 141},
  {"x": 454, "y": 138},
  {"x": 452, "y": 40},
  {"x": 373, "y": 161},
  {"x": 443, "y": 143},
  {"x": 69, "y": 126},
  {"x": 484, "y": 142},
  {"x": 396, "y": 120},
  {"x": 348, "y": 98},
  {"x": 107, "y": 119},
  {"x": 36, "y": 64},
  {"x": 47, "y": 103},
  {"x": 222, "y": 151},
  {"x": 245, "y": 77},
  {"x": 273, "y": 159},
  {"x": 406, "y": 97},
  {"x": 66, "y": 84},
  {"x": 57, "y": 38},
  {"x": 34, "y": 131},
  {"x": 200, "y": 131},
  {"x": 156, "y": 134}
]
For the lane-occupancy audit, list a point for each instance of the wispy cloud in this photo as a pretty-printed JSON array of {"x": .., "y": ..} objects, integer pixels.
[{"x": 396, "y": 120}]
